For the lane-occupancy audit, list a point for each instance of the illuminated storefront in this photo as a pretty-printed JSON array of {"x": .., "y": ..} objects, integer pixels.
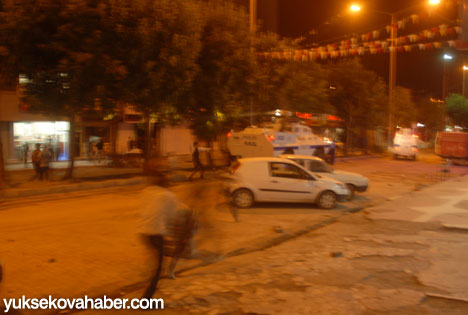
[{"x": 53, "y": 134}]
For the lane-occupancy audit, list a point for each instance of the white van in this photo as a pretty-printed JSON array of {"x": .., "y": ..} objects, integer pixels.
[
  {"x": 405, "y": 144},
  {"x": 282, "y": 180}
]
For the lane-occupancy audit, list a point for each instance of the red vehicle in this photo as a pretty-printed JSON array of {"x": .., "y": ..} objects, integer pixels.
[{"x": 452, "y": 145}]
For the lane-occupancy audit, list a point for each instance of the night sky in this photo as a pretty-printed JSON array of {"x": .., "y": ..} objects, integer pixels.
[{"x": 421, "y": 71}]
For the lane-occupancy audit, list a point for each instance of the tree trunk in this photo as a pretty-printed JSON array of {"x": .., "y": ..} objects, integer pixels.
[
  {"x": 148, "y": 139},
  {"x": 157, "y": 139},
  {"x": 71, "y": 163},
  {"x": 2, "y": 167}
]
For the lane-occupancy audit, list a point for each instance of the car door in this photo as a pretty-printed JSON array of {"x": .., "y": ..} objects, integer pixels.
[{"x": 288, "y": 182}]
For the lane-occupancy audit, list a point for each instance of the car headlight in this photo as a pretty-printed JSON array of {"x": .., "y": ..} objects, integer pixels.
[{"x": 340, "y": 187}]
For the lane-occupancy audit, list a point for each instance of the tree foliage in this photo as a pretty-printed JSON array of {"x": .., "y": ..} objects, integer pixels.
[
  {"x": 404, "y": 108},
  {"x": 289, "y": 85},
  {"x": 359, "y": 97},
  {"x": 457, "y": 109},
  {"x": 159, "y": 44},
  {"x": 223, "y": 84}
]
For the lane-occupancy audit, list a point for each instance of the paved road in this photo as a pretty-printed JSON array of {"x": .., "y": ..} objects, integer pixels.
[{"x": 86, "y": 243}]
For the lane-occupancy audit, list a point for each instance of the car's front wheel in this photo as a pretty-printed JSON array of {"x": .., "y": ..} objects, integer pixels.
[
  {"x": 327, "y": 200},
  {"x": 243, "y": 198}
]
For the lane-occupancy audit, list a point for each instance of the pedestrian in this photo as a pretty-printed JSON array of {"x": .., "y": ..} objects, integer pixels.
[
  {"x": 164, "y": 218},
  {"x": 129, "y": 144},
  {"x": 99, "y": 147},
  {"x": 197, "y": 165},
  {"x": 90, "y": 149},
  {"x": 36, "y": 160},
  {"x": 25, "y": 153},
  {"x": 46, "y": 157}
]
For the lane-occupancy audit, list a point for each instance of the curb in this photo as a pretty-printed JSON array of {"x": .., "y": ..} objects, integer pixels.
[
  {"x": 15, "y": 193},
  {"x": 29, "y": 192}
]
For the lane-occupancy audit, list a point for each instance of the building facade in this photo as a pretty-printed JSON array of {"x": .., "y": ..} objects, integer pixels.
[{"x": 20, "y": 130}]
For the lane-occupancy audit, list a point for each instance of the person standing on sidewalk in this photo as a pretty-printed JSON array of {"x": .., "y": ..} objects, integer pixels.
[
  {"x": 99, "y": 148},
  {"x": 36, "y": 160},
  {"x": 164, "y": 217},
  {"x": 46, "y": 157},
  {"x": 197, "y": 165},
  {"x": 25, "y": 153}
]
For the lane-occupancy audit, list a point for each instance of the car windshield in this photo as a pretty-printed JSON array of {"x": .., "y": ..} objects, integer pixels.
[{"x": 319, "y": 167}]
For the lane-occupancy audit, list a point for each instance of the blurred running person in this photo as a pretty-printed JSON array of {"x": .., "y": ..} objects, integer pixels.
[
  {"x": 164, "y": 218},
  {"x": 46, "y": 158}
]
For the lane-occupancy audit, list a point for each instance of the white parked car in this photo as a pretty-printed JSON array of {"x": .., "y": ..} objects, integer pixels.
[
  {"x": 354, "y": 182},
  {"x": 275, "y": 179}
]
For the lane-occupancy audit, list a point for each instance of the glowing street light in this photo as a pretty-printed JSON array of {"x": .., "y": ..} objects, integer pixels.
[
  {"x": 434, "y": 2},
  {"x": 355, "y": 8},
  {"x": 463, "y": 87},
  {"x": 447, "y": 58}
]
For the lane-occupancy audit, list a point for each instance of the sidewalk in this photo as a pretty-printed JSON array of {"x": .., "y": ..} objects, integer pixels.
[{"x": 86, "y": 175}]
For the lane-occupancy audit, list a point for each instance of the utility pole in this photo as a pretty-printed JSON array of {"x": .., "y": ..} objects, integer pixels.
[
  {"x": 253, "y": 29},
  {"x": 392, "y": 78}
]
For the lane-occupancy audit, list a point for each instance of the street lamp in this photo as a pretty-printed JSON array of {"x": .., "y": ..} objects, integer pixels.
[
  {"x": 447, "y": 58},
  {"x": 253, "y": 29},
  {"x": 393, "y": 58},
  {"x": 355, "y": 8},
  {"x": 463, "y": 87}
]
